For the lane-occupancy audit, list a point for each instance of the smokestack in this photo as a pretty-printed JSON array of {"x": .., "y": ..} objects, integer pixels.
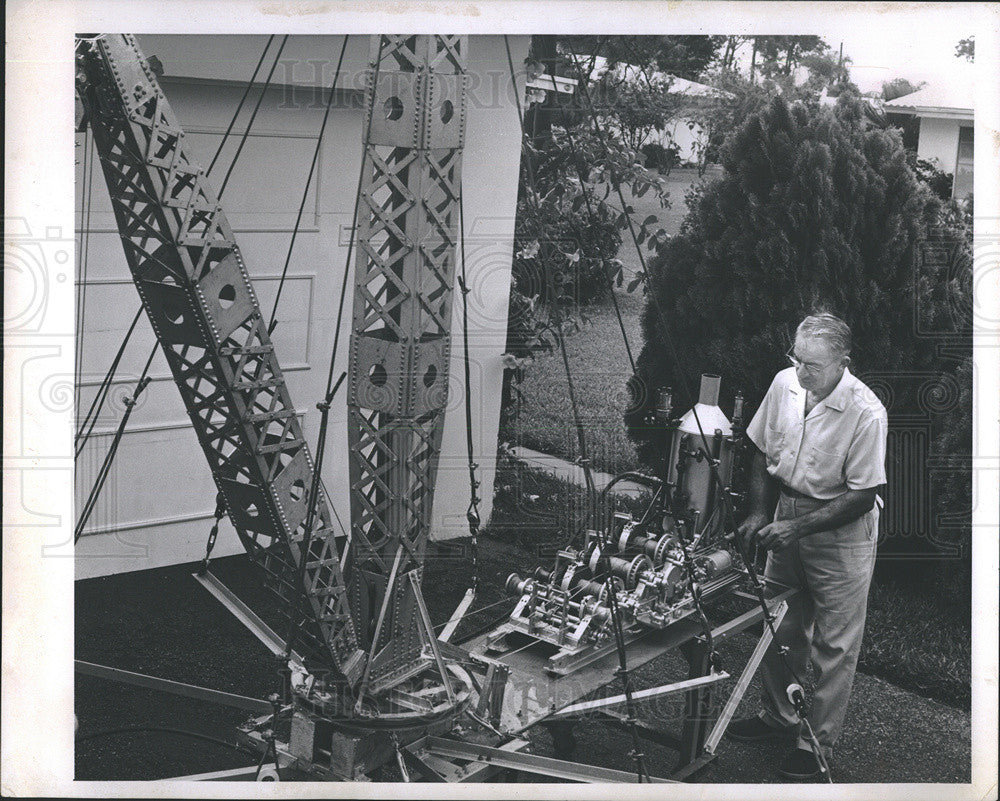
[
  {"x": 709, "y": 389},
  {"x": 709, "y": 415}
]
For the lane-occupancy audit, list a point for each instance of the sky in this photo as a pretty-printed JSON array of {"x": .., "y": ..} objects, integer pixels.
[
  {"x": 922, "y": 52},
  {"x": 917, "y": 43}
]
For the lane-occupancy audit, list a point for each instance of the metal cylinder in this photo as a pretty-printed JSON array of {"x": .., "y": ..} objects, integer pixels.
[
  {"x": 515, "y": 585},
  {"x": 600, "y": 612},
  {"x": 588, "y": 588},
  {"x": 715, "y": 562},
  {"x": 664, "y": 404},
  {"x": 629, "y": 571},
  {"x": 710, "y": 389}
]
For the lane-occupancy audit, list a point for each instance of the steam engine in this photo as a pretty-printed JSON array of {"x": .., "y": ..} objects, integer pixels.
[{"x": 656, "y": 564}]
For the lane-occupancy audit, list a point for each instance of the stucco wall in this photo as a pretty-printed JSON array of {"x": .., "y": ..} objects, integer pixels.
[
  {"x": 686, "y": 135},
  {"x": 939, "y": 140},
  {"x": 157, "y": 505}
]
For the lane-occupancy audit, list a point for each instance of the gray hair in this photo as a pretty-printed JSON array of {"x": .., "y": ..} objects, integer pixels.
[{"x": 826, "y": 326}]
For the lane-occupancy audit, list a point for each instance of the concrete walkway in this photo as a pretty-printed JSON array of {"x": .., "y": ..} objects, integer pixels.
[{"x": 573, "y": 473}]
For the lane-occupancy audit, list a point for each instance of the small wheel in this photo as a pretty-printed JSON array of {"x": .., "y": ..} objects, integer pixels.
[
  {"x": 663, "y": 546},
  {"x": 635, "y": 568}
]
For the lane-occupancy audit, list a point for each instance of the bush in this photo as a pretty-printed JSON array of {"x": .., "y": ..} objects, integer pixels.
[
  {"x": 562, "y": 251},
  {"x": 739, "y": 99},
  {"x": 569, "y": 220},
  {"x": 938, "y": 181},
  {"x": 660, "y": 158},
  {"x": 568, "y": 230},
  {"x": 815, "y": 208}
]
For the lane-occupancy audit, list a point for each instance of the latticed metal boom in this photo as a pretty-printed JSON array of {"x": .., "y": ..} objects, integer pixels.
[
  {"x": 195, "y": 289},
  {"x": 405, "y": 270}
]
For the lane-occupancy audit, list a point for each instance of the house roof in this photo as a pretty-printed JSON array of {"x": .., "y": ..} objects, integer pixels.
[
  {"x": 941, "y": 98},
  {"x": 678, "y": 86}
]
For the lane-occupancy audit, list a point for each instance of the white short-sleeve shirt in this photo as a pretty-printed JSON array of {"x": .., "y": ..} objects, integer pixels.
[{"x": 839, "y": 446}]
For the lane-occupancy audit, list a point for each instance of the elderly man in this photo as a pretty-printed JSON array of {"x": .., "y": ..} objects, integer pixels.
[{"x": 821, "y": 437}]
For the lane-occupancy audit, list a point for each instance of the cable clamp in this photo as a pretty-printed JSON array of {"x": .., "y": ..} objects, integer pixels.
[{"x": 472, "y": 515}]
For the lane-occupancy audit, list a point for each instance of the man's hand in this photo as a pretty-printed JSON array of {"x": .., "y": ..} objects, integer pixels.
[
  {"x": 754, "y": 522},
  {"x": 779, "y": 534}
]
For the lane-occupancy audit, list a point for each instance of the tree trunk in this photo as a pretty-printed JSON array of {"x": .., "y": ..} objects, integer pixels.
[{"x": 730, "y": 53}]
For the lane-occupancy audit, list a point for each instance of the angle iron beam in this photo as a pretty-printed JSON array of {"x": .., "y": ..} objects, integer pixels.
[
  {"x": 173, "y": 687},
  {"x": 643, "y": 728},
  {"x": 747, "y": 619},
  {"x": 458, "y": 615},
  {"x": 712, "y": 741},
  {"x": 244, "y": 614},
  {"x": 686, "y": 684},
  {"x": 248, "y": 774},
  {"x": 530, "y": 763}
]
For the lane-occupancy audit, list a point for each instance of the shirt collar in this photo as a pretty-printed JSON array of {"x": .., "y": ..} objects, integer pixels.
[{"x": 837, "y": 399}]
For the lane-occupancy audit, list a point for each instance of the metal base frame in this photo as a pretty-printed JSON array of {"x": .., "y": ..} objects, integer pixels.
[{"x": 435, "y": 758}]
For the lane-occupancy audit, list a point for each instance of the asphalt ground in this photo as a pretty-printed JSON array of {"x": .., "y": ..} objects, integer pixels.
[{"x": 162, "y": 622}]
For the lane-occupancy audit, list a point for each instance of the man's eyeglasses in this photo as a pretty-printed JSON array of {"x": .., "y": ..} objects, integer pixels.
[{"x": 809, "y": 367}]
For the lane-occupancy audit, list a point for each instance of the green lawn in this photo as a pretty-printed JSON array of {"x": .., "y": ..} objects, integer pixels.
[
  {"x": 599, "y": 367},
  {"x": 916, "y": 641}
]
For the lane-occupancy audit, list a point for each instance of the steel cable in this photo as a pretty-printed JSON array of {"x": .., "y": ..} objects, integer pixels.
[
  {"x": 253, "y": 116},
  {"x": 331, "y": 388},
  {"x": 305, "y": 194},
  {"x": 472, "y": 513},
  {"x": 112, "y": 451},
  {"x": 239, "y": 106}
]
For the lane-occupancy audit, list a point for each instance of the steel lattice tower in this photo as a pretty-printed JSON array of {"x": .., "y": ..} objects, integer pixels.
[{"x": 408, "y": 228}]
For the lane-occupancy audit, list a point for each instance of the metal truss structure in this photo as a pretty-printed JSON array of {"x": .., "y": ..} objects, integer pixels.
[
  {"x": 200, "y": 302},
  {"x": 354, "y": 600},
  {"x": 408, "y": 228}
]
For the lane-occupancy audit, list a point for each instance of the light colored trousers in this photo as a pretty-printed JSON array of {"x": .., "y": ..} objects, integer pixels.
[{"x": 825, "y": 621}]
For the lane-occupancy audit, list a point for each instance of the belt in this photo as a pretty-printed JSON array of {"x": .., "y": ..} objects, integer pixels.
[{"x": 788, "y": 492}]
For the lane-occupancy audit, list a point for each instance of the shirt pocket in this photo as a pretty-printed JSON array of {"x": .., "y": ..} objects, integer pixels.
[{"x": 825, "y": 465}]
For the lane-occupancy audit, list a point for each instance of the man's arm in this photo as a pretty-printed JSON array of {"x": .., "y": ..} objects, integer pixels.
[
  {"x": 763, "y": 495},
  {"x": 836, "y": 512}
]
